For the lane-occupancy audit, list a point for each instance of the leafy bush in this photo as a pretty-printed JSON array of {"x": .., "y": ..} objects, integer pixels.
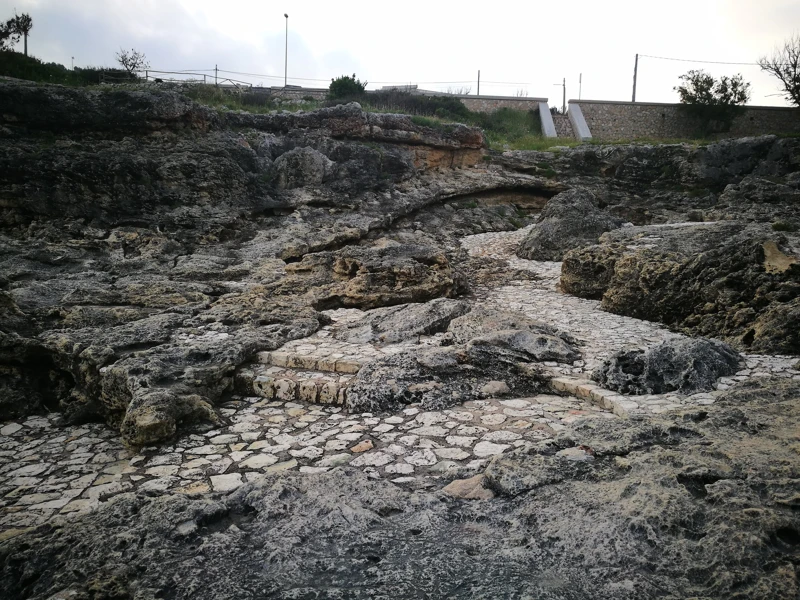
[
  {"x": 713, "y": 103},
  {"x": 346, "y": 87}
]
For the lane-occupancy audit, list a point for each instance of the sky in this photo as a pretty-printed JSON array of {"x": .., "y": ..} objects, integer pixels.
[{"x": 520, "y": 48}]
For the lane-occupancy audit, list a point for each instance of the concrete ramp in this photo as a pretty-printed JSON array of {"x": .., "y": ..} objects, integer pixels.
[
  {"x": 579, "y": 126},
  {"x": 548, "y": 127}
]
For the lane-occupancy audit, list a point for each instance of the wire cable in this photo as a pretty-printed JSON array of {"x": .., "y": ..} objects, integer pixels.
[{"x": 710, "y": 62}]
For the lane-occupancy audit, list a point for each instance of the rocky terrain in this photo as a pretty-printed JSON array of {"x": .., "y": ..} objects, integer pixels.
[{"x": 336, "y": 354}]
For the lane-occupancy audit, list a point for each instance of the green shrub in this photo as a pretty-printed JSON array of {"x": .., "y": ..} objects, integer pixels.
[
  {"x": 713, "y": 103},
  {"x": 346, "y": 87}
]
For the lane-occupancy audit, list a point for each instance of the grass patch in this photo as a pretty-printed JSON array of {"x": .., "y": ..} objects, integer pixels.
[
  {"x": 253, "y": 102},
  {"x": 784, "y": 226}
]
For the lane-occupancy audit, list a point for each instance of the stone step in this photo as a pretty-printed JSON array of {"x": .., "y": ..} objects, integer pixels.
[
  {"x": 293, "y": 385},
  {"x": 622, "y": 406},
  {"x": 333, "y": 363}
]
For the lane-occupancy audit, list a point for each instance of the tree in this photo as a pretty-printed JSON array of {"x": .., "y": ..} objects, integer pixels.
[
  {"x": 9, "y": 35},
  {"x": 21, "y": 25},
  {"x": 714, "y": 103},
  {"x": 346, "y": 87},
  {"x": 785, "y": 65},
  {"x": 132, "y": 61}
]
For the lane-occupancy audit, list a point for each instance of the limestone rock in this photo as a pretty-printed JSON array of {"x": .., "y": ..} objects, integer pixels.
[
  {"x": 733, "y": 281},
  {"x": 483, "y": 321},
  {"x": 686, "y": 366},
  {"x": 528, "y": 345},
  {"x": 468, "y": 489},
  {"x": 440, "y": 377},
  {"x": 660, "y": 506},
  {"x": 400, "y": 323},
  {"x": 570, "y": 220},
  {"x": 301, "y": 167},
  {"x": 367, "y": 277}
]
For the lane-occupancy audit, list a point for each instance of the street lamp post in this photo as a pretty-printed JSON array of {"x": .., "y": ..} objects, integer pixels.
[
  {"x": 286, "y": 53},
  {"x": 73, "y": 63}
]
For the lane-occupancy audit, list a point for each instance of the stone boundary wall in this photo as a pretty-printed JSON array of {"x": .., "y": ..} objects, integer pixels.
[
  {"x": 563, "y": 126},
  {"x": 487, "y": 104},
  {"x": 608, "y": 120},
  {"x": 291, "y": 93}
]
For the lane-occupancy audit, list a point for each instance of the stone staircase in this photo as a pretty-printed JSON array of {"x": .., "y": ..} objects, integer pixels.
[
  {"x": 293, "y": 377},
  {"x": 305, "y": 374}
]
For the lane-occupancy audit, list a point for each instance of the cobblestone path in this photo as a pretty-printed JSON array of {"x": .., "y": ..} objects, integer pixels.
[{"x": 293, "y": 419}]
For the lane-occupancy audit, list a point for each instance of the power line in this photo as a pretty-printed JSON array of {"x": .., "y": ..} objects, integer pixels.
[{"x": 710, "y": 62}]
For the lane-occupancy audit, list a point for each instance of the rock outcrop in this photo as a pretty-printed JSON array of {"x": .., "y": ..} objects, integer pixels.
[
  {"x": 570, "y": 220},
  {"x": 400, "y": 323},
  {"x": 729, "y": 280},
  {"x": 150, "y": 245},
  {"x": 495, "y": 352},
  {"x": 686, "y": 366},
  {"x": 694, "y": 504}
]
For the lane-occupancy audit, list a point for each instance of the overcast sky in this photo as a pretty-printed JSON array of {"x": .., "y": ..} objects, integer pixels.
[{"x": 528, "y": 46}]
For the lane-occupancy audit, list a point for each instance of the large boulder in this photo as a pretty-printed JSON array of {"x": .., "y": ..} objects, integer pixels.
[
  {"x": 404, "y": 322},
  {"x": 687, "y": 366},
  {"x": 571, "y": 219},
  {"x": 301, "y": 167},
  {"x": 369, "y": 277},
  {"x": 440, "y": 377},
  {"x": 734, "y": 281},
  {"x": 484, "y": 320},
  {"x": 496, "y": 352}
]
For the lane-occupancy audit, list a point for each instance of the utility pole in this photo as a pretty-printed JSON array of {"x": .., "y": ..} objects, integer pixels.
[
  {"x": 635, "y": 70},
  {"x": 580, "y": 85},
  {"x": 215, "y": 74},
  {"x": 479, "y": 82},
  {"x": 286, "y": 53},
  {"x": 564, "y": 98}
]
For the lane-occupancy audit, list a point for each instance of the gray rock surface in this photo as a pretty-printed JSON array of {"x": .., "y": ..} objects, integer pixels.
[
  {"x": 442, "y": 377},
  {"x": 149, "y": 245},
  {"x": 484, "y": 321},
  {"x": 571, "y": 219},
  {"x": 687, "y": 366},
  {"x": 698, "y": 504},
  {"x": 730, "y": 280},
  {"x": 400, "y": 323},
  {"x": 491, "y": 346}
]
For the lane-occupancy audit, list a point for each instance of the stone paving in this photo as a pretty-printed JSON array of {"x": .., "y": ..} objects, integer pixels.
[{"x": 289, "y": 416}]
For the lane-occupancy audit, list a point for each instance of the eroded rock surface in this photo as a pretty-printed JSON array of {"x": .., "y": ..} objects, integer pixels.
[
  {"x": 151, "y": 245},
  {"x": 734, "y": 281},
  {"x": 570, "y": 220},
  {"x": 404, "y": 322},
  {"x": 694, "y": 504},
  {"x": 687, "y": 366}
]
